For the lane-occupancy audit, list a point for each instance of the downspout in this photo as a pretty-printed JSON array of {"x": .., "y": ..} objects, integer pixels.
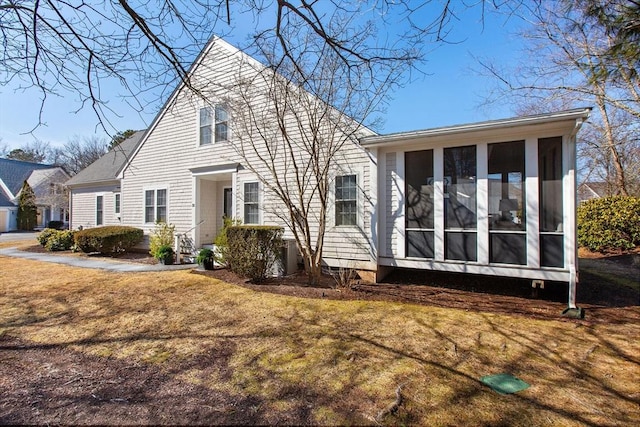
[{"x": 572, "y": 309}]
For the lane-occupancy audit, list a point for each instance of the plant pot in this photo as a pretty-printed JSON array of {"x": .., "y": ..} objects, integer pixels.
[
  {"x": 207, "y": 264},
  {"x": 168, "y": 260}
]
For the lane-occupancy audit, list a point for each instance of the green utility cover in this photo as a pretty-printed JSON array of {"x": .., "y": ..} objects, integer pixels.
[{"x": 504, "y": 383}]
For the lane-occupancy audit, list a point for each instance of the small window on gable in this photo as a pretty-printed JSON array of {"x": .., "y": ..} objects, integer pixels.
[
  {"x": 346, "y": 200},
  {"x": 99, "y": 211},
  {"x": 214, "y": 125},
  {"x": 206, "y": 120},
  {"x": 251, "y": 203},
  {"x": 222, "y": 124}
]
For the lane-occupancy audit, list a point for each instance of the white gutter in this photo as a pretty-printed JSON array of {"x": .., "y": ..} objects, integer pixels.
[{"x": 580, "y": 115}]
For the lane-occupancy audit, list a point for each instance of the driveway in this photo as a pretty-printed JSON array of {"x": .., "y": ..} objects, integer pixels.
[
  {"x": 84, "y": 262},
  {"x": 18, "y": 235}
]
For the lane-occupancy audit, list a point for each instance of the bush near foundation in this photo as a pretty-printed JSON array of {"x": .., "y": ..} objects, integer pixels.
[
  {"x": 43, "y": 236},
  {"x": 108, "y": 240},
  {"x": 56, "y": 240},
  {"x": 253, "y": 250},
  {"x": 609, "y": 224}
]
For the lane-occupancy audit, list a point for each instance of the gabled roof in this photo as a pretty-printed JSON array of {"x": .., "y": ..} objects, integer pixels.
[
  {"x": 213, "y": 41},
  {"x": 107, "y": 167},
  {"x": 13, "y": 173}
]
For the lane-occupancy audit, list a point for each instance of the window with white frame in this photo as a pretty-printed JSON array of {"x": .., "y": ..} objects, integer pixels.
[
  {"x": 251, "y": 203},
  {"x": 214, "y": 124},
  {"x": 346, "y": 200},
  {"x": 222, "y": 124},
  {"x": 116, "y": 203},
  {"x": 99, "y": 210},
  {"x": 155, "y": 205}
]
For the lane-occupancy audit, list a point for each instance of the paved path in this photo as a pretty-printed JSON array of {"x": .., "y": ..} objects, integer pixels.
[{"x": 87, "y": 262}]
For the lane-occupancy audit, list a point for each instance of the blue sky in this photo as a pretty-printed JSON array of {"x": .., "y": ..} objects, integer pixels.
[{"x": 449, "y": 92}]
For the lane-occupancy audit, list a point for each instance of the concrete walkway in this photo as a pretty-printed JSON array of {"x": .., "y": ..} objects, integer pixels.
[{"x": 88, "y": 262}]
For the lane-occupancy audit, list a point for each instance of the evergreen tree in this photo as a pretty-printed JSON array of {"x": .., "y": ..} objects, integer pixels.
[{"x": 27, "y": 210}]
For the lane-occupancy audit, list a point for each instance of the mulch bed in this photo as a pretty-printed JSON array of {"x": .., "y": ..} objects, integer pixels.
[
  {"x": 602, "y": 301},
  {"x": 451, "y": 290}
]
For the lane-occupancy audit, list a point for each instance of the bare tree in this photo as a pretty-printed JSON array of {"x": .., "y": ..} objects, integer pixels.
[
  {"x": 572, "y": 50},
  {"x": 76, "y": 47},
  {"x": 296, "y": 132},
  {"x": 79, "y": 152}
]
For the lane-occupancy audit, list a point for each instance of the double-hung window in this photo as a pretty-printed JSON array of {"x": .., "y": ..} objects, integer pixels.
[
  {"x": 251, "y": 203},
  {"x": 155, "y": 205},
  {"x": 346, "y": 200},
  {"x": 214, "y": 125},
  {"x": 116, "y": 203},
  {"x": 99, "y": 210}
]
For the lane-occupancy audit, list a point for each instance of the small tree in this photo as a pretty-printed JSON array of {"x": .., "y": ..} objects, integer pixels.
[
  {"x": 27, "y": 209},
  {"x": 161, "y": 236}
]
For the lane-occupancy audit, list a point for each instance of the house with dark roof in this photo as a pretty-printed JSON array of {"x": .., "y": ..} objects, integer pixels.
[
  {"x": 95, "y": 192},
  {"x": 47, "y": 182}
]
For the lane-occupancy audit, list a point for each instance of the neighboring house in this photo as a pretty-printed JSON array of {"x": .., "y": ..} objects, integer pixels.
[
  {"x": 495, "y": 198},
  {"x": 47, "y": 182},
  {"x": 94, "y": 193},
  {"x": 592, "y": 190}
]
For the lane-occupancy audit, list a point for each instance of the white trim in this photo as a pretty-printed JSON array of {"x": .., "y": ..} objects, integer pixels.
[
  {"x": 260, "y": 200},
  {"x": 532, "y": 200},
  {"x": 360, "y": 197},
  {"x": 400, "y": 220},
  {"x": 483, "y": 240},
  {"x": 452, "y": 266},
  {"x": 117, "y": 203},
  {"x": 373, "y": 208},
  {"x": 7, "y": 191},
  {"x": 95, "y": 209},
  {"x": 212, "y": 105},
  {"x": 195, "y": 210},
  {"x": 155, "y": 189},
  {"x": 438, "y": 204},
  {"x": 522, "y": 124}
]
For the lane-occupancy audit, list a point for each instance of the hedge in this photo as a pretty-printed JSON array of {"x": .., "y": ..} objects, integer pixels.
[
  {"x": 609, "y": 224},
  {"x": 109, "y": 240},
  {"x": 253, "y": 250}
]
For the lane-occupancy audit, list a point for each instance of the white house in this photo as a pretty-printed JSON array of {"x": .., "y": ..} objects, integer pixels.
[
  {"x": 46, "y": 181},
  {"x": 495, "y": 198}
]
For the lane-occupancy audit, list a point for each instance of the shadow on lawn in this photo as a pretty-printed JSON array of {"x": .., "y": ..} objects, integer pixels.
[{"x": 72, "y": 387}]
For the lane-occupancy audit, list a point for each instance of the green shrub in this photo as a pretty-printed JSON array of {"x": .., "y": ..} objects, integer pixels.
[
  {"x": 110, "y": 239},
  {"x": 56, "y": 240},
  {"x": 204, "y": 256},
  {"x": 164, "y": 254},
  {"x": 44, "y": 235},
  {"x": 253, "y": 250},
  {"x": 60, "y": 240},
  {"x": 609, "y": 224},
  {"x": 162, "y": 235},
  {"x": 220, "y": 242}
]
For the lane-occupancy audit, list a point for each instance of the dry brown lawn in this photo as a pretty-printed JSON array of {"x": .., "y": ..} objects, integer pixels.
[{"x": 82, "y": 346}]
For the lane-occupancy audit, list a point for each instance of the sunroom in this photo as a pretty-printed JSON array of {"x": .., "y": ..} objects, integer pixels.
[{"x": 491, "y": 198}]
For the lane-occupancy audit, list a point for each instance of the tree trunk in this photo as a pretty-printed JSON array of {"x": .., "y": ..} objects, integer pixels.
[{"x": 611, "y": 146}]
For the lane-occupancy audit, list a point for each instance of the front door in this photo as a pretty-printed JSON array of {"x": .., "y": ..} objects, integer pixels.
[{"x": 228, "y": 203}]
